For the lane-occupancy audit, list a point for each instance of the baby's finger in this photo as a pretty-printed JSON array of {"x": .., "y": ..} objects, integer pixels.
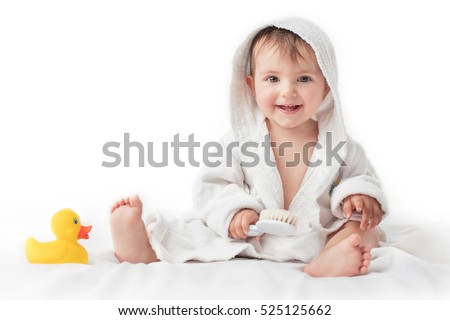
[
  {"x": 373, "y": 222},
  {"x": 238, "y": 227},
  {"x": 358, "y": 203},
  {"x": 347, "y": 208},
  {"x": 247, "y": 220},
  {"x": 366, "y": 215},
  {"x": 377, "y": 216},
  {"x": 232, "y": 228},
  {"x": 232, "y": 231},
  {"x": 373, "y": 219}
]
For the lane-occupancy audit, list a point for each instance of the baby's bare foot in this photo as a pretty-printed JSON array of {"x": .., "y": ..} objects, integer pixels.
[
  {"x": 346, "y": 258},
  {"x": 130, "y": 239}
]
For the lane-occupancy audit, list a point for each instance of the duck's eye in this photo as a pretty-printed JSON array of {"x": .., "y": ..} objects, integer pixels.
[{"x": 75, "y": 220}]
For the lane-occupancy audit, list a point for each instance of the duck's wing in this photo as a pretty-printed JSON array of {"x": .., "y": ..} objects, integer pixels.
[{"x": 45, "y": 252}]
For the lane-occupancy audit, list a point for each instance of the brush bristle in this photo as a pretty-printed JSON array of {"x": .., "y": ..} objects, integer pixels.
[{"x": 278, "y": 215}]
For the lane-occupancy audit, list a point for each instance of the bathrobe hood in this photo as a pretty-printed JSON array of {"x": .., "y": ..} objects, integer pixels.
[{"x": 245, "y": 114}]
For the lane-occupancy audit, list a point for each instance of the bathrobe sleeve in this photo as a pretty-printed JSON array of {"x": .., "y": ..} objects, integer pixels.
[
  {"x": 220, "y": 192},
  {"x": 358, "y": 177}
]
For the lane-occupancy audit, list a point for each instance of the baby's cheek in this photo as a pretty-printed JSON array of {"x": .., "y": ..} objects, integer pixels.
[
  {"x": 312, "y": 95},
  {"x": 266, "y": 98}
]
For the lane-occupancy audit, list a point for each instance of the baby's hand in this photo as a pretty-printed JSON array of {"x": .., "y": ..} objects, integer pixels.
[
  {"x": 368, "y": 206},
  {"x": 239, "y": 225}
]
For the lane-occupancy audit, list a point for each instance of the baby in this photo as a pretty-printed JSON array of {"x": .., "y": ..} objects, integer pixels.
[{"x": 284, "y": 87}]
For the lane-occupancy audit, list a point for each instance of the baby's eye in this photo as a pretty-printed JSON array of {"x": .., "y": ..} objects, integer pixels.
[
  {"x": 304, "y": 79},
  {"x": 272, "y": 79}
]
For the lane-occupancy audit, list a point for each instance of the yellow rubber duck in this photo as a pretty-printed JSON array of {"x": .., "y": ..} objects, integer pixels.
[{"x": 65, "y": 249}]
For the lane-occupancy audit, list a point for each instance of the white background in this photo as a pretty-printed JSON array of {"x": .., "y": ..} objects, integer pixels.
[{"x": 77, "y": 74}]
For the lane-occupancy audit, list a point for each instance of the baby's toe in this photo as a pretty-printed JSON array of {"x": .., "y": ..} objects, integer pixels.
[
  {"x": 363, "y": 270},
  {"x": 115, "y": 206},
  {"x": 365, "y": 249},
  {"x": 135, "y": 201},
  {"x": 354, "y": 240},
  {"x": 365, "y": 263}
]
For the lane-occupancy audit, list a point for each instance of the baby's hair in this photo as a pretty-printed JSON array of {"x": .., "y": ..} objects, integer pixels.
[{"x": 286, "y": 41}]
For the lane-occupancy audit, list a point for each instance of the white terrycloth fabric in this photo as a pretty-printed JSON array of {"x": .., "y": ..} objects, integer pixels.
[{"x": 222, "y": 191}]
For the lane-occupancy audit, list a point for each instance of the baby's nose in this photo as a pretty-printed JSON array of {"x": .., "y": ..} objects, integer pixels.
[{"x": 289, "y": 91}]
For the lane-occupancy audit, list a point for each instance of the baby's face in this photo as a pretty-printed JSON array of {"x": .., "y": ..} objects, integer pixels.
[{"x": 288, "y": 92}]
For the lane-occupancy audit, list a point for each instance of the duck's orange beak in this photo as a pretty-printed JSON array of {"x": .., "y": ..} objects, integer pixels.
[{"x": 84, "y": 230}]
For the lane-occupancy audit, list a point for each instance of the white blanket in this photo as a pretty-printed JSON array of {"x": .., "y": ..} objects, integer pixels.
[{"x": 415, "y": 264}]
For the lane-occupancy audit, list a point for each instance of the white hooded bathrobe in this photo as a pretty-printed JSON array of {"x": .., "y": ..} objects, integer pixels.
[{"x": 340, "y": 169}]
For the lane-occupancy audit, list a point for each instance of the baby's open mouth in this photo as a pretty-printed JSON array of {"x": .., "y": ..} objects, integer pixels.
[{"x": 288, "y": 107}]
